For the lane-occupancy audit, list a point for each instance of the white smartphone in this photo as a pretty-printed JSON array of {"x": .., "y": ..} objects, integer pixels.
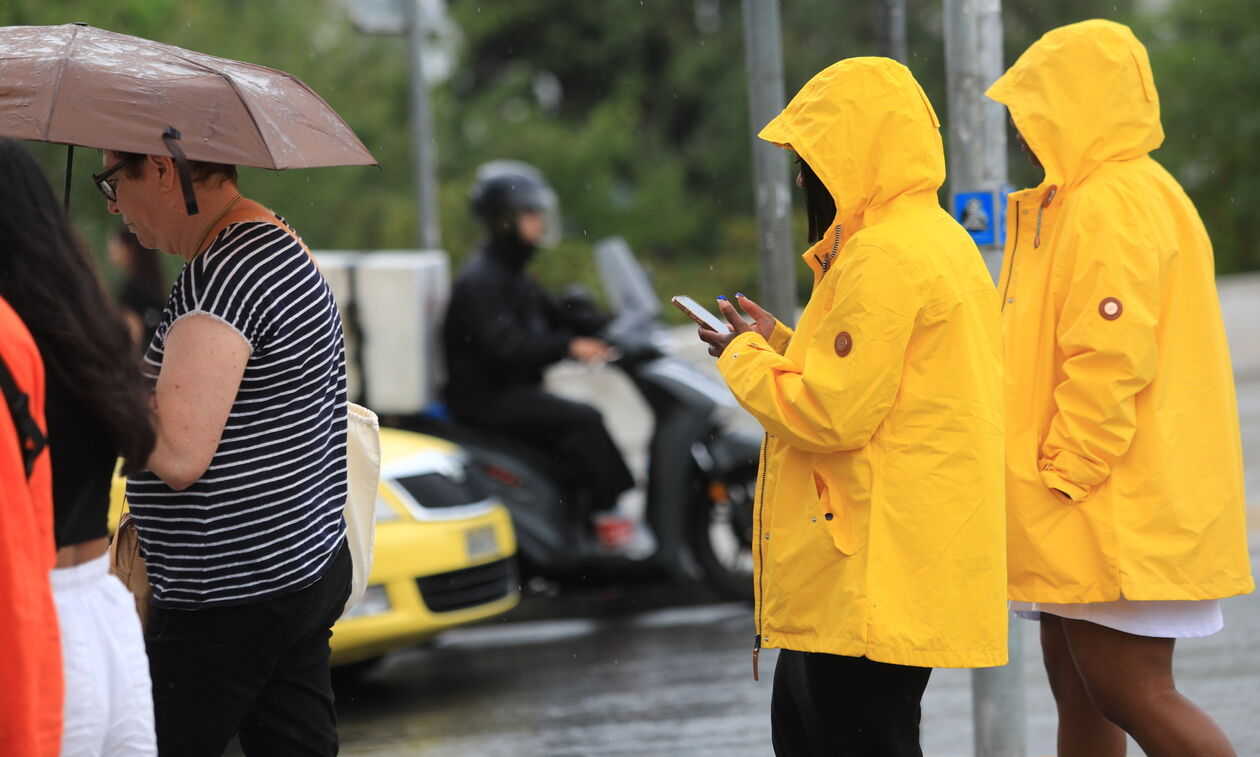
[{"x": 699, "y": 314}]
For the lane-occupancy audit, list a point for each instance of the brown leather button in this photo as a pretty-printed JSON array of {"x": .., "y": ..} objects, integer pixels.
[
  {"x": 844, "y": 344},
  {"x": 1110, "y": 308}
]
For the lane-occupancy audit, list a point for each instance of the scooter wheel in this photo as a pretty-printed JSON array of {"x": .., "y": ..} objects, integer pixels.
[{"x": 720, "y": 532}]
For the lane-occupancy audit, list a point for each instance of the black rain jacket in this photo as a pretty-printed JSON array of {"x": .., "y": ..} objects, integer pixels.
[{"x": 502, "y": 329}]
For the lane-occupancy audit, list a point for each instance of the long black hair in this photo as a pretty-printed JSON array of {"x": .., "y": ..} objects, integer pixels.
[
  {"x": 51, "y": 281},
  {"x": 820, "y": 206}
]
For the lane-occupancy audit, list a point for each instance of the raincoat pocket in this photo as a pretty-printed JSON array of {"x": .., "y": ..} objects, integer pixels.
[{"x": 833, "y": 516}]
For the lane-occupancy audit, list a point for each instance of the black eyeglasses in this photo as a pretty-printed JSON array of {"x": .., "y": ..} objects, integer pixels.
[{"x": 108, "y": 186}]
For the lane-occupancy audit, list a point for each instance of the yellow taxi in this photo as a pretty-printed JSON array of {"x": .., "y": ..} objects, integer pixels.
[{"x": 445, "y": 551}]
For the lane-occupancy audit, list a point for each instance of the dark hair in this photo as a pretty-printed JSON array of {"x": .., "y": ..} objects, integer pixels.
[
  {"x": 146, "y": 268},
  {"x": 820, "y": 206},
  {"x": 51, "y": 281},
  {"x": 200, "y": 170}
]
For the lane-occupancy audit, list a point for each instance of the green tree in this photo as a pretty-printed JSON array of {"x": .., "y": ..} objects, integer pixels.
[
  {"x": 1202, "y": 53},
  {"x": 637, "y": 113}
]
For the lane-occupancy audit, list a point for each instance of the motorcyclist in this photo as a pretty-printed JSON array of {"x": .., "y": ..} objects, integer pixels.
[{"x": 502, "y": 329}]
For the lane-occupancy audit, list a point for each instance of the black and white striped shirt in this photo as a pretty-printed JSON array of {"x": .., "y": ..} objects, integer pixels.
[{"x": 265, "y": 519}]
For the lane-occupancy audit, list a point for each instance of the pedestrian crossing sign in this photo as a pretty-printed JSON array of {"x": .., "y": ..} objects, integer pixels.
[{"x": 974, "y": 211}]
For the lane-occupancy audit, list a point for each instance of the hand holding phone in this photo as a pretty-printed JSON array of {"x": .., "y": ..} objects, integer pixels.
[{"x": 697, "y": 312}]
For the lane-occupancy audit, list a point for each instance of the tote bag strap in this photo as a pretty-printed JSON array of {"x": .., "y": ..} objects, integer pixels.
[{"x": 249, "y": 211}]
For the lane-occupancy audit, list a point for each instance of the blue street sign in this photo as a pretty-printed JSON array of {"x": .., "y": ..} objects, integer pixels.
[
  {"x": 1003, "y": 193},
  {"x": 975, "y": 212}
]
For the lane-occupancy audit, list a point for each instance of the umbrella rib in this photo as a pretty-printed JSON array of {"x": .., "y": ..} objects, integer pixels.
[
  {"x": 244, "y": 103},
  {"x": 274, "y": 71},
  {"x": 56, "y": 88}
]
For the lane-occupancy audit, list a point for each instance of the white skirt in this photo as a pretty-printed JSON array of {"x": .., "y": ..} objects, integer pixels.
[
  {"x": 108, "y": 701},
  {"x": 1164, "y": 619}
]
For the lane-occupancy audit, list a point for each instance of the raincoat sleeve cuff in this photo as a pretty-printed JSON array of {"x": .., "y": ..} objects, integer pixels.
[
  {"x": 780, "y": 338},
  {"x": 741, "y": 345},
  {"x": 1053, "y": 480}
]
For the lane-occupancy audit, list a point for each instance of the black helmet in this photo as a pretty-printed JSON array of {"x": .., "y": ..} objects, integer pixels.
[{"x": 505, "y": 188}]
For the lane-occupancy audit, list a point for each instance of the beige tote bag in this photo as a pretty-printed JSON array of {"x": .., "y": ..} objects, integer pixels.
[{"x": 363, "y": 461}]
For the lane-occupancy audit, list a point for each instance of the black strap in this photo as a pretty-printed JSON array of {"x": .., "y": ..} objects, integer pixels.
[
  {"x": 69, "y": 173},
  {"x": 30, "y": 437},
  {"x": 170, "y": 138}
]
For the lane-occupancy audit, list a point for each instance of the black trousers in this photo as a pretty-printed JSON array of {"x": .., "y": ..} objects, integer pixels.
[
  {"x": 570, "y": 433},
  {"x": 831, "y": 706},
  {"x": 260, "y": 669}
]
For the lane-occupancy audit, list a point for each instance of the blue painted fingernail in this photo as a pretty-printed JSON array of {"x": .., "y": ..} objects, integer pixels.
[
  {"x": 740, "y": 295},
  {"x": 722, "y": 297}
]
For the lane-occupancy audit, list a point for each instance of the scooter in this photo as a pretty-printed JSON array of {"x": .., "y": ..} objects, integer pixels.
[{"x": 701, "y": 474}]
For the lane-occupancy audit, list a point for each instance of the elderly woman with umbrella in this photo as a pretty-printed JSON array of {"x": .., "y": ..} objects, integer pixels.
[{"x": 239, "y": 506}]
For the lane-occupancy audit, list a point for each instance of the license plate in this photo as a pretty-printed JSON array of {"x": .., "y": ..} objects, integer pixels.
[{"x": 481, "y": 542}]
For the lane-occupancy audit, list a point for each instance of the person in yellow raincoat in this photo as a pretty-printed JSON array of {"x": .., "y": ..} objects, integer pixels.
[
  {"x": 880, "y": 548},
  {"x": 1124, "y": 469}
]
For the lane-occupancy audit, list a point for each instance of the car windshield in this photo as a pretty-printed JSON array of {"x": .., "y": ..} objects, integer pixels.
[{"x": 439, "y": 490}]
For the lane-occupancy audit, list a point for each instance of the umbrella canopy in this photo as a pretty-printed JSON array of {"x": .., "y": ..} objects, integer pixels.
[{"x": 78, "y": 85}]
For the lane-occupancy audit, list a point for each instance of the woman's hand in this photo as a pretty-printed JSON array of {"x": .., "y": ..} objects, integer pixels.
[
  {"x": 762, "y": 323},
  {"x": 589, "y": 350}
]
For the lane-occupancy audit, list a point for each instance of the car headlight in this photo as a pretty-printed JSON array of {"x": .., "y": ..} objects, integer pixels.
[
  {"x": 374, "y": 602},
  {"x": 385, "y": 513}
]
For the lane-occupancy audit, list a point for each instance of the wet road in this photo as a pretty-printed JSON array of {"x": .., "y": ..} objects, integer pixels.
[
  {"x": 630, "y": 679},
  {"x": 629, "y": 682},
  {"x": 660, "y": 682}
]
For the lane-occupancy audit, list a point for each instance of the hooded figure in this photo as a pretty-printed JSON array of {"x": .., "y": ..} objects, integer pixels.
[
  {"x": 879, "y": 518},
  {"x": 1124, "y": 468}
]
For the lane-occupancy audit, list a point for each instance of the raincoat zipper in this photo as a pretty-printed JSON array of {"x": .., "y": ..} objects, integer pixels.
[
  {"x": 1045, "y": 203},
  {"x": 1010, "y": 266},
  {"x": 761, "y": 555},
  {"x": 835, "y": 247}
]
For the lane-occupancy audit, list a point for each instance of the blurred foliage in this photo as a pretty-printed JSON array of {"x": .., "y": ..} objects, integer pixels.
[
  {"x": 636, "y": 111},
  {"x": 1203, "y": 53}
]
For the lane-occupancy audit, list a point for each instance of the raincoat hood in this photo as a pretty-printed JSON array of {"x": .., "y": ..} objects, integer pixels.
[
  {"x": 868, "y": 131},
  {"x": 1081, "y": 96}
]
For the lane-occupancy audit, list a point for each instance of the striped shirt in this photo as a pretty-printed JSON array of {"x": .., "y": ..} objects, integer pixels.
[{"x": 265, "y": 519}]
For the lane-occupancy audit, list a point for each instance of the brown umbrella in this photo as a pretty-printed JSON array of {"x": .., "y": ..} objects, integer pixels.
[{"x": 78, "y": 85}]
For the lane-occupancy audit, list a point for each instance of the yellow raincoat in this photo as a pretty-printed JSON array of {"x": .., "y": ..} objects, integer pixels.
[
  {"x": 1119, "y": 392},
  {"x": 879, "y": 514}
]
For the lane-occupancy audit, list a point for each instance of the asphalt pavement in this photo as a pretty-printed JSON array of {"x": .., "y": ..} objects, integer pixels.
[{"x": 631, "y": 674}]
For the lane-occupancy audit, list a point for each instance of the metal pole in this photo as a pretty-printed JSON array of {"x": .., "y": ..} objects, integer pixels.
[
  {"x": 998, "y": 714},
  {"x": 892, "y": 25},
  {"x": 764, "y": 54},
  {"x": 977, "y": 164},
  {"x": 977, "y": 125},
  {"x": 430, "y": 232}
]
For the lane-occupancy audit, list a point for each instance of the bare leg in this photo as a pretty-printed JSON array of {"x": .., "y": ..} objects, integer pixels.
[
  {"x": 1083, "y": 730},
  {"x": 1129, "y": 679}
]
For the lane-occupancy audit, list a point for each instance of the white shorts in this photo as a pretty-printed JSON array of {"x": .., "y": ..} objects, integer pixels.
[
  {"x": 109, "y": 700},
  {"x": 1163, "y": 619}
]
